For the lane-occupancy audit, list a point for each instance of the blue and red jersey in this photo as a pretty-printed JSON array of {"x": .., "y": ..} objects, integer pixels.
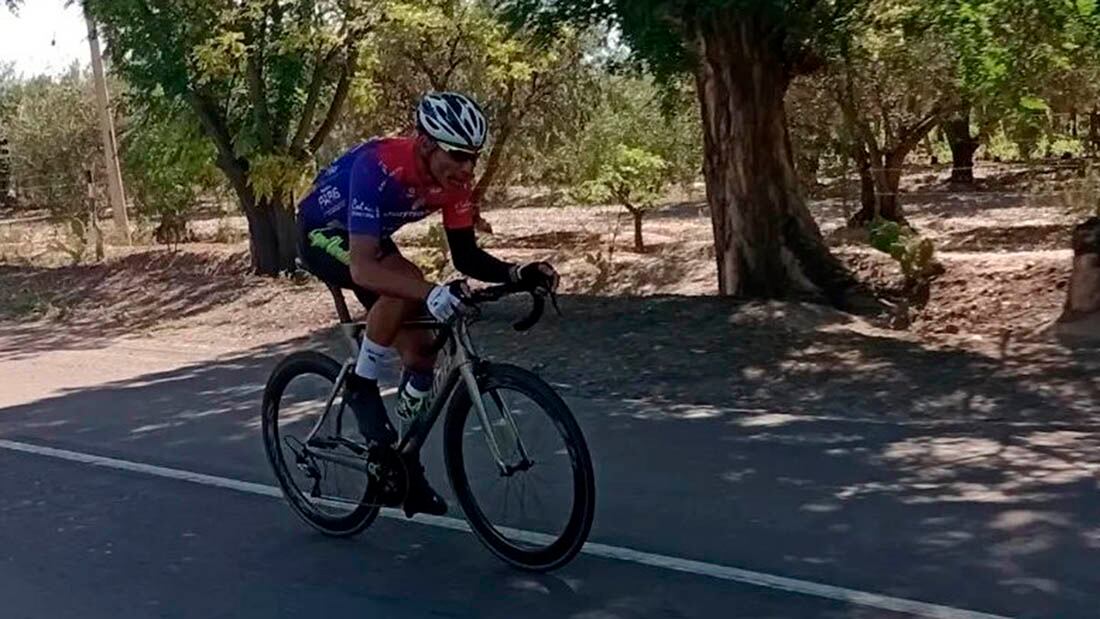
[{"x": 379, "y": 186}]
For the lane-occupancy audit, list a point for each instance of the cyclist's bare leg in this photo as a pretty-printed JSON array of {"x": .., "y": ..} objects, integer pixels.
[
  {"x": 387, "y": 314},
  {"x": 384, "y": 328}
]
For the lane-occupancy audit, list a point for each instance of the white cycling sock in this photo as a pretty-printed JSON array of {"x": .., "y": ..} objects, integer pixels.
[{"x": 370, "y": 357}]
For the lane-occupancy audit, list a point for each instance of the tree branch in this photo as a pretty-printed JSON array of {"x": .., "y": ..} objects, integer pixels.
[
  {"x": 425, "y": 68},
  {"x": 285, "y": 107},
  {"x": 453, "y": 61},
  {"x": 321, "y": 69},
  {"x": 352, "y": 38},
  {"x": 257, "y": 90},
  {"x": 336, "y": 106},
  {"x": 623, "y": 194},
  {"x": 912, "y": 136},
  {"x": 860, "y": 131},
  {"x": 214, "y": 123}
]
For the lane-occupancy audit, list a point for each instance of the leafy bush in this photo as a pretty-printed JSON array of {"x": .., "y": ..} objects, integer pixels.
[
  {"x": 53, "y": 137},
  {"x": 633, "y": 178},
  {"x": 915, "y": 255},
  {"x": 167, "y": 164}
]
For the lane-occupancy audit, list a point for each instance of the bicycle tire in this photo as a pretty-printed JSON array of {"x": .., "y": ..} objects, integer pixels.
[
  {"x": 571, "y": 541},
  {"x": 295, "y": 365}
]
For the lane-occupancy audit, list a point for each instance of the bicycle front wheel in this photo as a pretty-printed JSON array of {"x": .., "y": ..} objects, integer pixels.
[{"x": 531, "y": 499}]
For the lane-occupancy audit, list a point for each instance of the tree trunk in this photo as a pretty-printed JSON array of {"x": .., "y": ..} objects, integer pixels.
[
  {"x": 1094, "y": 130},
  {"x": 271, "y": 236},
  {"x": 492, "y": 165},
  {"x": 286, "y": 230},
  {"x": 5, "y": 170},
  {"x": 888, "y": 182},
  {"x": 766, "y": 242},
  {"x": 963, "y": 146},
  {"x": 272, "y": 229},
  {"x": 1083, "y": 297},
  {"x": 866, "y": 181},
  {"x": 879, "y": 184},
  {"x": 637, "y": 214}
]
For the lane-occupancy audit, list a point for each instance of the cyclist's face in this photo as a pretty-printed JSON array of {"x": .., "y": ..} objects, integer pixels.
[{"x": 453, "y": 170}]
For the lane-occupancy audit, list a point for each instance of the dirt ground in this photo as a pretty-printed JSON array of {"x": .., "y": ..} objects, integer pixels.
[{"x": 645, "y": 326}]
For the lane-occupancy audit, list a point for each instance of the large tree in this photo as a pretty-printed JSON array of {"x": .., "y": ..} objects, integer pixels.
[
  {"x": 267, "y": 80},
  {"x": 743, "y": 55}
]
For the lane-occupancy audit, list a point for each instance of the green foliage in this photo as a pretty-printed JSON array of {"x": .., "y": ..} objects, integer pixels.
[
  {"x": 53, "y": 136},
  {"x": 813, "y": 117},
  {"x": 260, "y": 75},
  {"x": 167, "y": 163},
  {"x": 632, "y": 177},
  {"x": 534, "y": 92},
  {"x": 1000, "y": 146},
  {"x": 894, "y": 80},
  {"x": 435, "y": 259},
  {"x": 914, "y": 254},
  {"x": 272, "y": 174},
  {"x": 1015, "y": 59},
  {"x": 632, "y": 113},
  {"x": 1032, "y": 103},
  {"x": 660, "y": 34}
]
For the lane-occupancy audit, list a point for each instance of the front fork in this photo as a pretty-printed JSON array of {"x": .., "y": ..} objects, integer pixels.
[{"x": 469, "y": 378}]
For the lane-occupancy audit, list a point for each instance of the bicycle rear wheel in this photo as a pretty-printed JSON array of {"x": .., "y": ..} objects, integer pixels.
[
  {"x": 536, "y": 514},
  {"x": 331, "y": 498}
]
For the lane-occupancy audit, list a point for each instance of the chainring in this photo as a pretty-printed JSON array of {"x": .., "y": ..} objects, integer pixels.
[{"x": 388, "y": 476}]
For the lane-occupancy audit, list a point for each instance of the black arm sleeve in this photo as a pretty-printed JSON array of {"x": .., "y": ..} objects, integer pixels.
[{"x": 473, "y": 261}]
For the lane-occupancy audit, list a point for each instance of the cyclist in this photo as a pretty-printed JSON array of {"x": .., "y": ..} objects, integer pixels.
[{"x": 346, "y": 225}]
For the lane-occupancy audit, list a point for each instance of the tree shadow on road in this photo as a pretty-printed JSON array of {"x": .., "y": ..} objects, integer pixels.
[
  {"x": 816, "y": 451},
  {"x": 94, "y": 303}
]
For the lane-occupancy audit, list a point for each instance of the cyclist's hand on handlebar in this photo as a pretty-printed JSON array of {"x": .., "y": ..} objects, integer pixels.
[
  {"x": 537, "y": 276},
  {"x": 445, "y": 301}
]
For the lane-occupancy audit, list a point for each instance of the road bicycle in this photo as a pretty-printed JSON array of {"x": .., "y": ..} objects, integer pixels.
[{"x": 506, "y": 434}]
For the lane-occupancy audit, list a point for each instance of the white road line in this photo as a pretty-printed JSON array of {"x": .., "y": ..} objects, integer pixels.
[{"x": 723, "y": 572}]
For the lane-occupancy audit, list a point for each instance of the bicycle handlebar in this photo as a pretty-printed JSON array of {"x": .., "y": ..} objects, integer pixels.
[
  {"x": 496, "y": 293},
  {"x": 538, "y": 302}
]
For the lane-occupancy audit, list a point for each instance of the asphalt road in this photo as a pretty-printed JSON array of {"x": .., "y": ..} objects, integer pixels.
[{"x": 1006, "y": 523}]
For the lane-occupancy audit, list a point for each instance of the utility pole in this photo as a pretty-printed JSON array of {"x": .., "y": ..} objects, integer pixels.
[{"x": 114, "y": 173}]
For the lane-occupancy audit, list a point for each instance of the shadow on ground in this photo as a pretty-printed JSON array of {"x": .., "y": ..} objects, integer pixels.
[
  {"x": 823, "y": 454},
  {"x": 140, "y": 291}
]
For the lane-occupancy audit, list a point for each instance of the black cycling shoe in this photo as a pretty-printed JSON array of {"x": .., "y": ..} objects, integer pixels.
[
  {"x": 362, "y": 396},
  {"x": 421, "y": 498}
]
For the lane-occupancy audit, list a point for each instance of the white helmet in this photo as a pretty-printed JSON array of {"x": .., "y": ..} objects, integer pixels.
[{"x": 453, "y": 120}]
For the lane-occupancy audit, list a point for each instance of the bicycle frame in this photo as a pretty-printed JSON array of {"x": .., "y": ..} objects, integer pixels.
[{"x": 464, "y": 364}]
